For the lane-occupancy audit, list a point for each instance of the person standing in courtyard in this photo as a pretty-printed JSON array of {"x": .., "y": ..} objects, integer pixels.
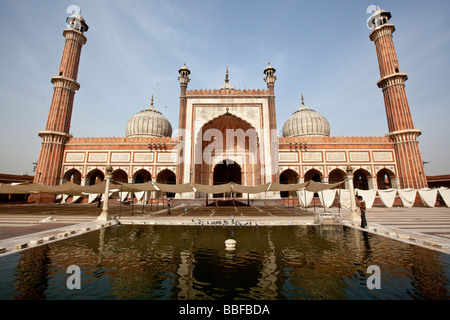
[{"x": 362, "y": 207}]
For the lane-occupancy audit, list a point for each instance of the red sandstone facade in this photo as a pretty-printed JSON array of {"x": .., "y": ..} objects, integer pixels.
[
  {"x": 400, "y": 123},
  {"x": 392, "y": 161},
  {"x": 56, "y": 132}
]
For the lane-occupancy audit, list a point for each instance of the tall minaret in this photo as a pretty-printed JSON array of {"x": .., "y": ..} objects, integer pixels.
[
  {"x": 401, "y": 129},
  {"x": 184, "y": 80},
  {"x": 56, "y": 132},
  {"x": 270, "y": 78}
]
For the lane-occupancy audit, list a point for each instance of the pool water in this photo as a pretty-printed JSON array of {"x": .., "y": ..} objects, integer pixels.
[{"x": 190, "y": 262}]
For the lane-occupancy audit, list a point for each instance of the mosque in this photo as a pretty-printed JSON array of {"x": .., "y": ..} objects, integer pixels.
[{"x": 230, "y": 135}]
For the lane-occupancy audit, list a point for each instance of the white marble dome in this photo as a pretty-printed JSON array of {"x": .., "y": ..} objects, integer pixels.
[
  {"x": 148, "y": 123},
  {"x": 306, "y": 122}
]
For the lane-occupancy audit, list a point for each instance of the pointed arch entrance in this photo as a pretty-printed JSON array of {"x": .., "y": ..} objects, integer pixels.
[
  {"x": 94, "y": 176},
  {"x": 314, "y": 175},
  {"x": 167, "y": 176},
  {"x": 361, "y": 179},
  {"x": 225, "y": 172},
  {"x": 288, "y": 176},
  {"x": 227, "y": 137},
  {"x": 386, "y": 179},
  {"x": 142, "y": 176},
  {"x": 73, "y": 176},
  {"x": 336, "y": 176},
  {"x": 120, "y": 176}
]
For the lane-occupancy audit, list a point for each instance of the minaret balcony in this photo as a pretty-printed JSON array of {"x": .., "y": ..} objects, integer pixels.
[
  {"x": 66, "y": 83},
  {"x": 392, "y": 80}
]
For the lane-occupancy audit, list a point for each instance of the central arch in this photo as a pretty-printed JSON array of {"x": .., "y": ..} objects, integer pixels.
[{"x": 227, "y": 137}]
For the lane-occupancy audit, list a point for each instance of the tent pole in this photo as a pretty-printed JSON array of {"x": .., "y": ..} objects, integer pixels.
[
  {"x": 132, "y": 204},
  {"x": 323, "y": 199},
  {"x": 120, "y": 197},
  {"x": 306, "y": 205},
  {"x": 314, "y": 203},
  {"x": 339, "y": 200}
]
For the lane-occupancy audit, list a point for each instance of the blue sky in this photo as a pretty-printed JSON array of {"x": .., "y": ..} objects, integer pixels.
[{"x": 135, "y": 48}]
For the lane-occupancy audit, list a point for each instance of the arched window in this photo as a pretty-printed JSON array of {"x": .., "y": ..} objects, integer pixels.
[
  {"x": 120, "y": 176},
  {"x": 288, "y": 176},
  {"x": 167, "y": 176},
  {"x": 142, "y": 176},
  {"x": 335, "y": 176},
  {"x": 385, "y": 179},
  {"x": 94, "y": 176},
  {"x": 361, "y": 179},
  {"x": 313, "y": 175},
  {"x": 73, "y": 176}
]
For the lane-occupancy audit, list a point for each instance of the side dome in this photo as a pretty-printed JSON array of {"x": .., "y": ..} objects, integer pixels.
[
  {"x": 148, "y": 123},
  {"x": 306, "y": 122}
]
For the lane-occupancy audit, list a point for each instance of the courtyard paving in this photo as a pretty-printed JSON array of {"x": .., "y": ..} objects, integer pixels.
[{"x": 20, "y": 224}]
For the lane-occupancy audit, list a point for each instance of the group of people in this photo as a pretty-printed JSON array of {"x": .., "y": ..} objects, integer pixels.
[{"x": 361, "y": 205}]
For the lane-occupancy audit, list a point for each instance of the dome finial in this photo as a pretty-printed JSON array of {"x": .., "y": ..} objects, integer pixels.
[
  {"x": 226, "y": 76},
  {"x": 152, "y": 107},
  {"x": 226, "y": 85},
  {"x": 303, "y": 101}
]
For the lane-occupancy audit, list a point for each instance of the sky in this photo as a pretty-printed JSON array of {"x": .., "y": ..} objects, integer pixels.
[{"x": 134, "y": 49}]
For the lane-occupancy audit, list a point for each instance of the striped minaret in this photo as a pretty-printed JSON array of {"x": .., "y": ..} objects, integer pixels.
[
  {"x": 56, "y": 132},
  {"x": 401, "y": 129},
  {"x": 270, "y": 78},
  {"x": 184, "y": 80}
]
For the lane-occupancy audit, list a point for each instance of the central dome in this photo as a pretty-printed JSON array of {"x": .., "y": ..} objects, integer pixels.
[
  {"x": 306, "y": 122},
  {"x": 148, "y": 123}
]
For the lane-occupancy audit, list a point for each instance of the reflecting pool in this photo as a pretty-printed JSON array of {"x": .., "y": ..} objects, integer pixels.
[{"x": 190, "y": 262}]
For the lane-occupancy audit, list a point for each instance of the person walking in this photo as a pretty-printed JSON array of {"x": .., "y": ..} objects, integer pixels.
[{"x": 362, "y": 207}]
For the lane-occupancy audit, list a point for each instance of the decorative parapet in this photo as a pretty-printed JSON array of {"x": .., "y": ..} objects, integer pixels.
[
  {"x": 122, "y": 140},
  {"x": 335, "y": 140},
  {"x": 227, "y": 92}
]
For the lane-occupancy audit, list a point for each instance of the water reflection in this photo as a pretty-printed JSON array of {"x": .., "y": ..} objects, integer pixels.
[
  {"x": 32, "y": 274},
  {"x": 174, "y": 262}
]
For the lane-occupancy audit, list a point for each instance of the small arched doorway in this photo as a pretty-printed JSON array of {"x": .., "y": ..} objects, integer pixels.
[
  {"x": 335, "y": 176},
  {"x": 226, "y": 172},
  {"x": 361, "y": 179},
  {"x": 142, "y": 176},
  {"x": 288, "y": 176},
  {"x": 120, "y": 176},
  {"x": 167, "y": 176},
  {"x": 385, "y": 179},
  {"x": 313, "y": 175},
  {"x": 73, "y": 176},
  {"x": 94, "y": 176}
]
